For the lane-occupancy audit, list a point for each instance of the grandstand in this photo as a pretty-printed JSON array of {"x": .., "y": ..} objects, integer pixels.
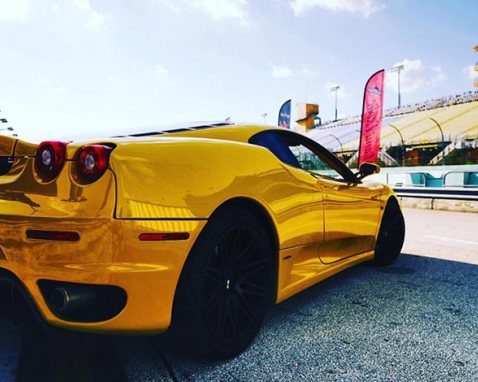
[{"x": 435, "y": 132}]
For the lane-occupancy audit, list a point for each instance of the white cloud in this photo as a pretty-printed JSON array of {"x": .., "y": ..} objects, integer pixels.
[
  {"x": 364, "y": 7},
  {"x": 82, "y": 5},
  {"x": 415, "y": 76},
  {"x": 438, "y": 76},
  {"x": 170, "y": 4},
  {"x": 14, "y": 10},
  {"x": 160, "y": 72},
  {"x": 215, "y": 9},
  {"x": 470, "y": 72},
  {"x": 95, "y": 20},
  {"x": 307, "y": 72},
  {"x": 47, "y": 87},
  {"x": 114, "y": 80},
  {"x": 281, "y": 71},
  {"x": 222, "y": 9},
  {"x": 284, "y": 71}
]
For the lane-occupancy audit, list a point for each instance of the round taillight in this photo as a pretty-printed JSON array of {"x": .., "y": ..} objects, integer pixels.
[
  {"x": 92, "y": 162},
  {"x": 50, "y": 159}
]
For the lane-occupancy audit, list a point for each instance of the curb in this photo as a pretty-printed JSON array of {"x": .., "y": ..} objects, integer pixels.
[{"x": 439, "y": 204}]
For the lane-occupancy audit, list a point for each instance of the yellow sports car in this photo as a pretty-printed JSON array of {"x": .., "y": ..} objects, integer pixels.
[{"x": 200, "y": 229}]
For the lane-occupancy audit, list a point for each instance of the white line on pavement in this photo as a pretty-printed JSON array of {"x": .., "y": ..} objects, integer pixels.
[{"x": 453, "y": 240}]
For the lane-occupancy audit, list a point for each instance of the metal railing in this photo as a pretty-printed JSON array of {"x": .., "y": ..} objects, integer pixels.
[
  {"x": 455, "y": 193},
  {"x": 453, "y": 184},
  {"x": 463, "y": 179}
]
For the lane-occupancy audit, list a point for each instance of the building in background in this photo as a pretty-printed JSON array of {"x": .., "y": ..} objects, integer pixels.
[
  {"x": 306, "y": 116},
  {"x": 441, "y": 131}
]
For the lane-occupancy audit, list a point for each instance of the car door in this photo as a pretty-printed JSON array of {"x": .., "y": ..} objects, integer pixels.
[
  {"x": 301, "y": 213},
  {"x": 351, "y": 212},
  {"x": 351, "y": 208}
]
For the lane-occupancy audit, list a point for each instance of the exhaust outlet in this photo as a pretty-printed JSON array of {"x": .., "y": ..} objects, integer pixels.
[
  {"x": 77, "y": 302},
  {"x": 69, "y": 299}
]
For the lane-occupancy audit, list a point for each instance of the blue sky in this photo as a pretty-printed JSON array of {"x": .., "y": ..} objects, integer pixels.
[{"x": 98, "y": 67}]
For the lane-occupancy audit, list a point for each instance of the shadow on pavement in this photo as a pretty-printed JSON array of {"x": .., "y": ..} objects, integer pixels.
[
  {"x": 58, "y": 355},
  {"x": 415, "y": 320}
]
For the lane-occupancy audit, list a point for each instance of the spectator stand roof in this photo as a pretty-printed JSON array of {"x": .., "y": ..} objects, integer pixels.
[{"x": 456, "y": 122}]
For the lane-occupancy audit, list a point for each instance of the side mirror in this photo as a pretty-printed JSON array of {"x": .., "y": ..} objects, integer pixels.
[{"x": 367, "y": 169}]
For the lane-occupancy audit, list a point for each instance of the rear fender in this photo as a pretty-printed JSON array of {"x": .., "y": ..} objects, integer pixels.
[{"x": 187, "y": 180}]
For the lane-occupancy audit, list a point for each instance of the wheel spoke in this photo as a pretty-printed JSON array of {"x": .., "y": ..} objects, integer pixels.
[
  {"x": 247, "y": 251},
  {"x": 214, "y": 299},
  {"x": 214, "y": 274},
  {"x": 252, "y": 267},
  {"x": 233, "y": 319},
  {"x": 223, "y": 252},
  {"x": 252, "y": 289},
  {"x": 237, "y": 242},
  {"x": 221, "y": 316},
  {"x": 244, "y": 306}
]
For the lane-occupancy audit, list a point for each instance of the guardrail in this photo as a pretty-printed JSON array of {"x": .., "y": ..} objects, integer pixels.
[
  {"x": 455, "y": 193},
  {"x": 459, "y": 179}
]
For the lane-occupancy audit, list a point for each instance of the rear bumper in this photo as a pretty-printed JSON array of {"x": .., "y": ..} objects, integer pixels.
[{"x": 108, "y": 252}]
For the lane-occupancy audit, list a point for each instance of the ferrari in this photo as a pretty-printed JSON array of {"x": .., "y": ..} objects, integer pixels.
[{"x": 198, "y": 230}]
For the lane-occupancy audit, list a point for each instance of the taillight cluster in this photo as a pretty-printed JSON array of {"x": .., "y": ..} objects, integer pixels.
[
  {"x": 50, "y": 159},
  {"x": 91, "y": 161}
]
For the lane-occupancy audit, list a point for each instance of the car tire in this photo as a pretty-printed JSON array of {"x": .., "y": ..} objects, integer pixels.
[
  {"x": 390, "y": 236},
  {"x": 226, "y": 286}
]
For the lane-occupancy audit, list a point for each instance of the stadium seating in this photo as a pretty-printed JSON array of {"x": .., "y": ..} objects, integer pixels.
[{"x": 455, "y": 122}]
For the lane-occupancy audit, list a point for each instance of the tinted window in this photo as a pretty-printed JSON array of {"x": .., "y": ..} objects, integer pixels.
[
  {"x": 309, "y": 161},
  {"x": 298, "y": 151},
  {"x": 275, "y": 143}
]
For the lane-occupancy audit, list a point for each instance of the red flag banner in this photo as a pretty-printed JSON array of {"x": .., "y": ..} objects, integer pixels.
[{"x": 371, "y": 118}]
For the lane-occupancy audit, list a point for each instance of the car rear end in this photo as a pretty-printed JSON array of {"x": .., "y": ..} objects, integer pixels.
[{"x": 60, "y": 241}]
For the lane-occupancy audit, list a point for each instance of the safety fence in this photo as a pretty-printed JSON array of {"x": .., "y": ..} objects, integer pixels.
[
  {"x": 462, "y": 179},
  {"x": 443, "y": 182},
  {"x": 455, "y": 193}
]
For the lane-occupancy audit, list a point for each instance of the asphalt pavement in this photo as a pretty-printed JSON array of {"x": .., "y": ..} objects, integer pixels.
[
  {"x": 416, "y": 320},
  {"x": 442, "y": 234}
]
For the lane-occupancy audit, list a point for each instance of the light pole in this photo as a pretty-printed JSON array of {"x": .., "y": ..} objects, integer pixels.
[
  {"x": 335, "y": 89},
  {"x": 398, "y": 69},
  {"x": 442, "y": 137},
  {"x": 7, "y": 129},
  {"x": 439, "y": 128},
  {"x": 264, "y": 115}
]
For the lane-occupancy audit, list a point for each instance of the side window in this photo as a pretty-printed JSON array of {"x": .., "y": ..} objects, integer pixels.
[
  {"x": 290, "y": 149},
  {"x": 307, "y": 159},
  {"x": 275, "y": 144},
  {"x": 310, "y": 161}
]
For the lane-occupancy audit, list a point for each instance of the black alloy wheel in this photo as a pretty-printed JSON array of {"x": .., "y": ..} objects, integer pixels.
[
  {"x": 391, "y": 235},
  {"x": 226, "y": 287},
  {"x": 234, "y": 287}
]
